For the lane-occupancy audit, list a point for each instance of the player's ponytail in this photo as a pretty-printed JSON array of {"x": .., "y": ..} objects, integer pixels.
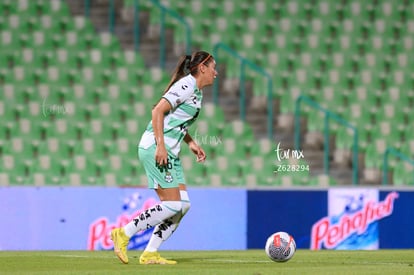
[
  {"x": 182, "y": 69},
  {"x": 189, "y": 64}
]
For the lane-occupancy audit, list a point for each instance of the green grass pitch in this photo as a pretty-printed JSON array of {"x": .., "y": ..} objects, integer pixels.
[{"x": 254, "y": 262}]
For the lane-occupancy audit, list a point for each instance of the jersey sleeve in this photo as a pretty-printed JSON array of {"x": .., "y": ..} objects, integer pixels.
[{"x": 179, "y": 92}]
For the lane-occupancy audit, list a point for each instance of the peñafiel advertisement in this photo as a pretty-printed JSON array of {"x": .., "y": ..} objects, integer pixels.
[
  {"x": 132, "y": 205},
  {"x": 81, "y": 218},
  {"x": 353, "y": 220}
]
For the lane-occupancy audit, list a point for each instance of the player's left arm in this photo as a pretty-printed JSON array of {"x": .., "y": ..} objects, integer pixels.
[{"x": 195, "y": 148}]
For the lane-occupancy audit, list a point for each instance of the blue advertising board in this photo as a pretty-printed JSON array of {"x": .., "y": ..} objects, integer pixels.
[
  {"x": 396, "y": 231},
  {"x": 290, "y": 211},
  {"x": 81, "y": 218},
  {"x": 337, "y": 218}
]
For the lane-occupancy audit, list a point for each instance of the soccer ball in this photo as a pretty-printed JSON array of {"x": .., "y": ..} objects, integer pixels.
[{"x": 280, "y": 247}]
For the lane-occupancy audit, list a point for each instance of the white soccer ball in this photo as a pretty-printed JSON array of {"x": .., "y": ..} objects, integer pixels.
[{"x": 280, "y": 247}]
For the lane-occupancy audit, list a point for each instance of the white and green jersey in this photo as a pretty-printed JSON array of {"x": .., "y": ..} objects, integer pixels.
[{"x": 185, "y": 99}]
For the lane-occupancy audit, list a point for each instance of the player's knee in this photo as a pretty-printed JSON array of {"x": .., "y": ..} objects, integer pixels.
[
  {"x": 186, "y": 201},
  {"x": 173, "y": 206},
  {"x": 185, "y": 207}
]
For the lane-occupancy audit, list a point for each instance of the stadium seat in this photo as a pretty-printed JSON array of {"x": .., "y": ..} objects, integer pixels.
[
  {"x": 323, "y": 181},
  {"x": 403, "y": 174}
]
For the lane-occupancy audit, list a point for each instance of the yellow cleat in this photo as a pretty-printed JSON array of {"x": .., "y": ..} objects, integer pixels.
[
  {"x": 153, "y": 258},
  {"x": 120, "y": 241}
]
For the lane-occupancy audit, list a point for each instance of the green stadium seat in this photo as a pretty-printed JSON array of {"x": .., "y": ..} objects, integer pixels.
[
  {"x": 232, "y": 148},
  {"x": 73, "y": 40},
  {"x": 86, "y": 112},
  {"x": 315, "y": 120},
  {"x": 403, "y": 174},
  {"x": 344, "y": 138},
  {"x": 232, "y": 66},
  {"x": 238, "y": 128},
  {"x": 374, "y": 154},
  {"x": 82, "y": 25},
  {"x": 5, "y": 76},
  {"x": 196, "y": 174},
  {"x": 7, "y": 7},
  {"x": 323, "y": 181},
  {"x": 259, "y": 148},
  {"x": 269, "y": 181},
  {"x": 390, "y": 113},
  {"x": 9, "y": 59},
  {"x": 5, "y": 147},
  {"x": 9, "y": 40},
  {"x": 330, "y": 98},
  {"x": 358, "y": 115},
  {"x": 4, "y": 179},
  {"x": 212, "y": 112},
  {"x": 231, "y": 171}
]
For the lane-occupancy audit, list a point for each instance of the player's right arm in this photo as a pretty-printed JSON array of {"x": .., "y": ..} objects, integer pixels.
[
  {"x": 195, "y": 148},
  {"x": 177, "y": 94},
  {"x": 158, "y": 113}
]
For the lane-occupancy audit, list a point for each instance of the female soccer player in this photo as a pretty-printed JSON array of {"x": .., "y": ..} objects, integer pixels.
[{"x": 159, "y": 150}]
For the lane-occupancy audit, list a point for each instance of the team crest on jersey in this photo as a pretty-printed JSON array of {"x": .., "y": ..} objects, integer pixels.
[{"x": 168, "y": 177}]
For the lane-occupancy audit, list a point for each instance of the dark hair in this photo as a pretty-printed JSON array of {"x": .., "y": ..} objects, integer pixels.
[{"x": 189, "y": 64}]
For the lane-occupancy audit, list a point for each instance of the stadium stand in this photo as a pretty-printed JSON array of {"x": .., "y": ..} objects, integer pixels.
[{"x": 74, "y": 100}]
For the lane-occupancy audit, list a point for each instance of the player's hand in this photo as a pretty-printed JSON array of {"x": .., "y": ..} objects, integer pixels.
[
  {"x": 198, "y": 151},
  {"x": 161, "y": 155}
]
